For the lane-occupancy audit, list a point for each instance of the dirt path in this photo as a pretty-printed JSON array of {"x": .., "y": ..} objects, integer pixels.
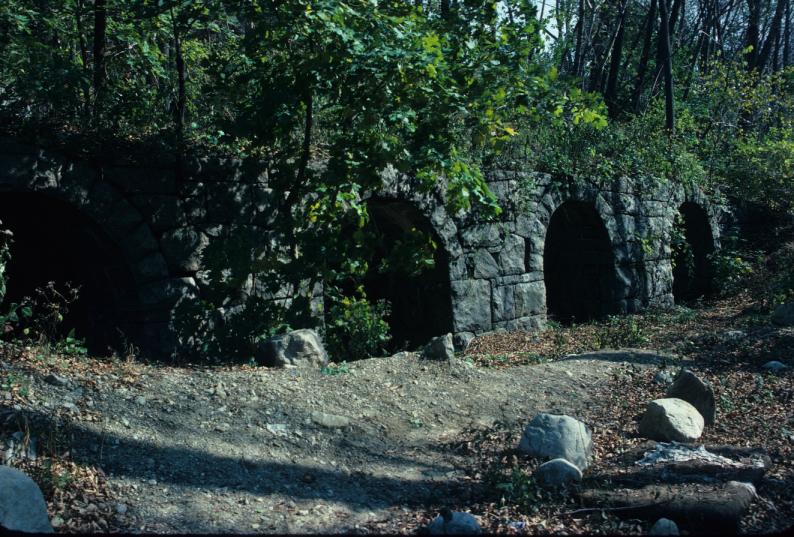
[{"x": 254, "y": 449}]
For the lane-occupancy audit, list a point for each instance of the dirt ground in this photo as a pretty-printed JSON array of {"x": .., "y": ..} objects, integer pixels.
[{"x": 256, "y": 449}]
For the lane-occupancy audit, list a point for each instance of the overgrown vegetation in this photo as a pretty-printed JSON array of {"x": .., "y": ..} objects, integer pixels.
[{"x": 326, "y": 96}]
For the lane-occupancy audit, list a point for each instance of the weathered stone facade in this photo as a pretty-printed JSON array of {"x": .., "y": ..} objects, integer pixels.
[{"x": 496, "y": 268}]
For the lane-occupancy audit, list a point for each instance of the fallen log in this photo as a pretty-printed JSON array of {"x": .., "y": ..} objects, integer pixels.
[{"x": 695, "y": 507}]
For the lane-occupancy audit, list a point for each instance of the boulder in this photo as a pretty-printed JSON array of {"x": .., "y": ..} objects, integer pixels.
[
  {"x": 22, "y": 506},
  {"x": 557, "y": 436},
  {"x": 664, "y": 526},
  {"x": 299, "y": 348},
  {"x": 774, "y": 366},
  {"x": 690, "y": 388},
  {"x": 663, "y": 377},
  {"x": 454, "y": 523},
  {"x": 439, "y": 348},
  {"x": 557, "y": 472},
  {"x": 671, "y": 419},
  {"x": 784, "y": 315}
]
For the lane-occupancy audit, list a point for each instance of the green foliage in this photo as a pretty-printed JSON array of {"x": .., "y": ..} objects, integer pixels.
[
  {"x": 733, "y": 264},
  {"x": 412, "y": 254},
  {"x": 682, "y": 314},
  {"x": 635, "y": 147},
  {"x": 356, "y": 329},
  {"x": 518, "y": 488},
  {"x": 620, "y": 331},
  {"x": 742, "y": 133},
  {"x": 333, "y": 370},
  {"x": 490, "y": 360},
  {"x": 71, "y": 345}
]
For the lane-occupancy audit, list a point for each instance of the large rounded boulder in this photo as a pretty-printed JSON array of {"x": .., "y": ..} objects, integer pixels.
[
  {"x": 556, "y": 436},
  {"x": 671, "y": 419},
  {"x": 696, "y": 392},
  {"x": 22, "y": 506},
  {"x": 299, "y": 348}
]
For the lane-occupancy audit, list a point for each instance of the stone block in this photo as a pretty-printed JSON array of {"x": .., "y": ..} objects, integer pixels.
[
  {"x": 512, "y": 255},
  {"x": 530, "y": 299},
  {"x": 482, "y": 235},
  {"x": 182, "y": 249},
  {"x": 481, "y": 264},
  {"x": 161, "y": 211},
  {"x": 471, "y": 305}
]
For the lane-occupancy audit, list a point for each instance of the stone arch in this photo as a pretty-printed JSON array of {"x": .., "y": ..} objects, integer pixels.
[
  {"x": 399, "y": 203},
  {"x": 691, "y": 248},
  {"x": 64, "y": 207},
  {"x": 421, "y": 303},
  {"x": 579, "y": 264}
]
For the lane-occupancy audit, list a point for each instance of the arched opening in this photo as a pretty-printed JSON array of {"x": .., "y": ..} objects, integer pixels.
[
  {"x": 53, "y": 242},
  {"x": 692, "y": 244},
  {"x": 418, "y": 292},
  {"x": 578, "y": 265}
]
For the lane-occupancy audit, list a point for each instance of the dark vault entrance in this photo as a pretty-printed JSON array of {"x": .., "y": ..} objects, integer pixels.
[
  {"x": 692, "y": 244},
  {"x": 421, "y": 304},
  {"x": 578, "y": 265},
  {"x": 54, "y": 242}
]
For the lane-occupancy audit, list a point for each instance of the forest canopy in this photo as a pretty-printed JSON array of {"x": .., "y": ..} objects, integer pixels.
[{"x": 432, "y": 88}]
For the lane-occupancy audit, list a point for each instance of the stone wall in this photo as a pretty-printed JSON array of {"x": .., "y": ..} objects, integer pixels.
[{"x": 496, "y": 268}]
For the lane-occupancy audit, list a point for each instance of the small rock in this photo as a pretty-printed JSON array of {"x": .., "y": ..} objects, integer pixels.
[
  {"x": 461, "y": 340},
  {"x": 664, "y": 526},
  {"x": 140, "y": 400},
  {"x": 671, "y": 419},
  {"x": 439, "y": 348},
  {"x": 454, "y": 523},
  {"x": 774, "y": 366},
  {"x": 299, "y": 348},
  {"x": 558, "y": 472},
  {"x": 121, "y": 508},
  {"x": 55, "y": 380},
  {"x": 71, "y": 407},
  {"x": 732, "y": 335},
  {"x": 690, "y": 388},
  {"x": 279, "y": 429},
  {"x": 557, "y": 436},
  {"x": 22, "y": 506},
  {"x": 663, "y": 377},
  {"x": 331, "y": 421}
]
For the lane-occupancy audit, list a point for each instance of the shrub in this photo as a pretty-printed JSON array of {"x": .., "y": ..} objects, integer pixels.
[{"x": 356, "y": 329}]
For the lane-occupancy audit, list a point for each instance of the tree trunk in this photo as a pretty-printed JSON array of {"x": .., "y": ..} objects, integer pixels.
[
  {"x": 578, "y": 55},
  {"x": 100, "y": 51},
  {"x": 664, "y": 39},
  {"x": 659, "y": 48},
  {"x": 610, "y": 96},
  {"x": 753, "y": 33},
  {"x": 772, "y": 36},
  {"x": 181, "y": 103},
  {"x": 642, "y": 67},
  {"x": 78, "y": 18},
  {"x": 787, "y": 36}
]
